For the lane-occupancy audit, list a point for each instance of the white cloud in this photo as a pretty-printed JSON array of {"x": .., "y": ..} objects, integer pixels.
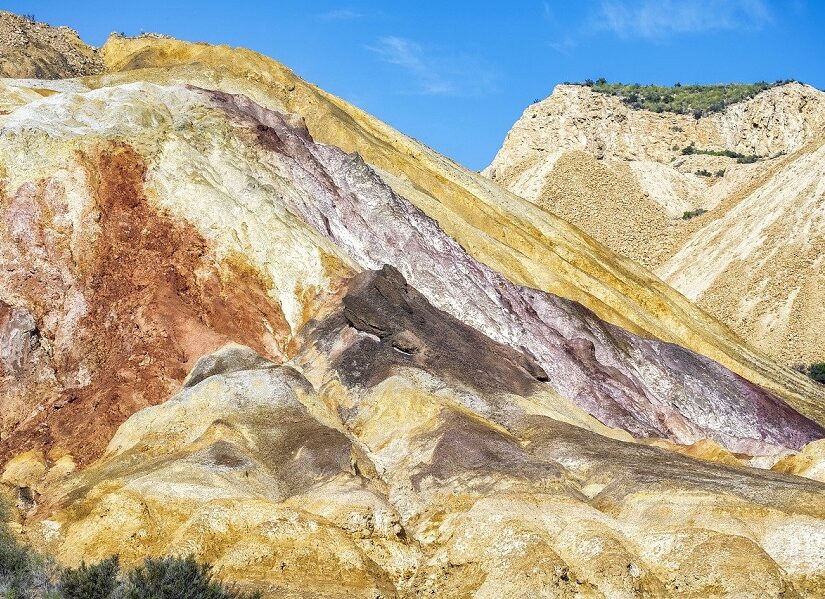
[
  {"x": 564, "y": 45},
  {"x": 410, "y": 56},
  {"x": 432, "y": 73},
  {"x": 340, "y": 14},
  {"x": 655, "y": 19}
]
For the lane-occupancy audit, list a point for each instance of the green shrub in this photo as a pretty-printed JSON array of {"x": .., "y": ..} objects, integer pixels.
[
  {"x": 740, "y": 158},
  {"x": 719, "y": 173},
  {"x": 815, "y": 372},
  {"x": 24, "y": 574},
  {"x": 693, "y": 213},
  {"x": 90, "y": 582},
  {"x": 747, "y": 159},
  {"x": 703, "y": 172},
  {"x": 699, "y": 100},
  {"x": 15, "y": 568},
  {"x": 177, "y": 578}
]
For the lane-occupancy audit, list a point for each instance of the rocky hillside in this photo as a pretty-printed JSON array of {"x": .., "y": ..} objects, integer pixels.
[
  {"x": 243, "y": 319},
  {"x": 727, "y": 208},
  {"x": 32, "y": 50}
]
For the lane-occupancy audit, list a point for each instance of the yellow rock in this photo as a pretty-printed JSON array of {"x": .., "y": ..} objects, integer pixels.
[
  {"x": 810, "y": 462},
  {"x": 61, "y": 468},
  {"x": 417, "y": 486},
  {"x": 25, "y": 470},
  {"x": 705, "y": 449}
]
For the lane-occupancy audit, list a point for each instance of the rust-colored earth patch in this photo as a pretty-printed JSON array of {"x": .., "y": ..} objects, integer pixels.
[{"x": 156, "y": 300}]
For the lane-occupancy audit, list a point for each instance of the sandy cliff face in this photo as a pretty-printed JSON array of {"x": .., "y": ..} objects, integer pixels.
[
  {"x": 574, "y": 117},
  {"x": 620, "y": 175},
  {"x": 243, "y": 319}
]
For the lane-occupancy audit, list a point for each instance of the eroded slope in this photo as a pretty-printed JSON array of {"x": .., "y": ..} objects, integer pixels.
[
  {"x": 401, "y": 477},
  {"x": 286, "y": 219},
  {"x": 444, "y": 381},
  {"x": 32, "y": 50},
  {"x": 527, "y": 245},
  {"x": 622, "y": 175}
]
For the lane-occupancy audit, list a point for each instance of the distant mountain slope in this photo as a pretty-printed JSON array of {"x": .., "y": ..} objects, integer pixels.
[
  {"x": 634, "y": 179},
  {"x": 32, "y": 50},
  {"x": 759, "y": 263}
]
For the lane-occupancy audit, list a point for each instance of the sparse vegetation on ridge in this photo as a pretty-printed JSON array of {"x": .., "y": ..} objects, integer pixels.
[
  {"x": 699, "y": 100},
  {"x": 693, "y": 213},
  {"x": 740, "y": 158}
]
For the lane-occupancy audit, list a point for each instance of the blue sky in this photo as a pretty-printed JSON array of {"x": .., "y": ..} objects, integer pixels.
[{"x": 456, "y": 75}]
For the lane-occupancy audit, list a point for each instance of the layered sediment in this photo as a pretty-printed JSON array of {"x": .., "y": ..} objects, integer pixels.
[{"x": 244, "y": 320}]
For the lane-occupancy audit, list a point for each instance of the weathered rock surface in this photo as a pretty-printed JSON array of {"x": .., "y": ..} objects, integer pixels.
[
  {"x": 402, "y": 380},
  {"x": 422, "y": 483},
  {"x": 526, "y": 244},
  {"x": 118, "y": 300},
  {"x": 328, "y": 203},
  {"x": 32, "y": 50},
  {"x": 593, "y": 364},
  {"x": 618, "y": 173}
]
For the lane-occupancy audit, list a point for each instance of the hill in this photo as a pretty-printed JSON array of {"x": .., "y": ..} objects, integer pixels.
[
  {"x": 243, "y": 319},
  {"x": 725, "y": 207},
  {"x": 33, "y": 50}
]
